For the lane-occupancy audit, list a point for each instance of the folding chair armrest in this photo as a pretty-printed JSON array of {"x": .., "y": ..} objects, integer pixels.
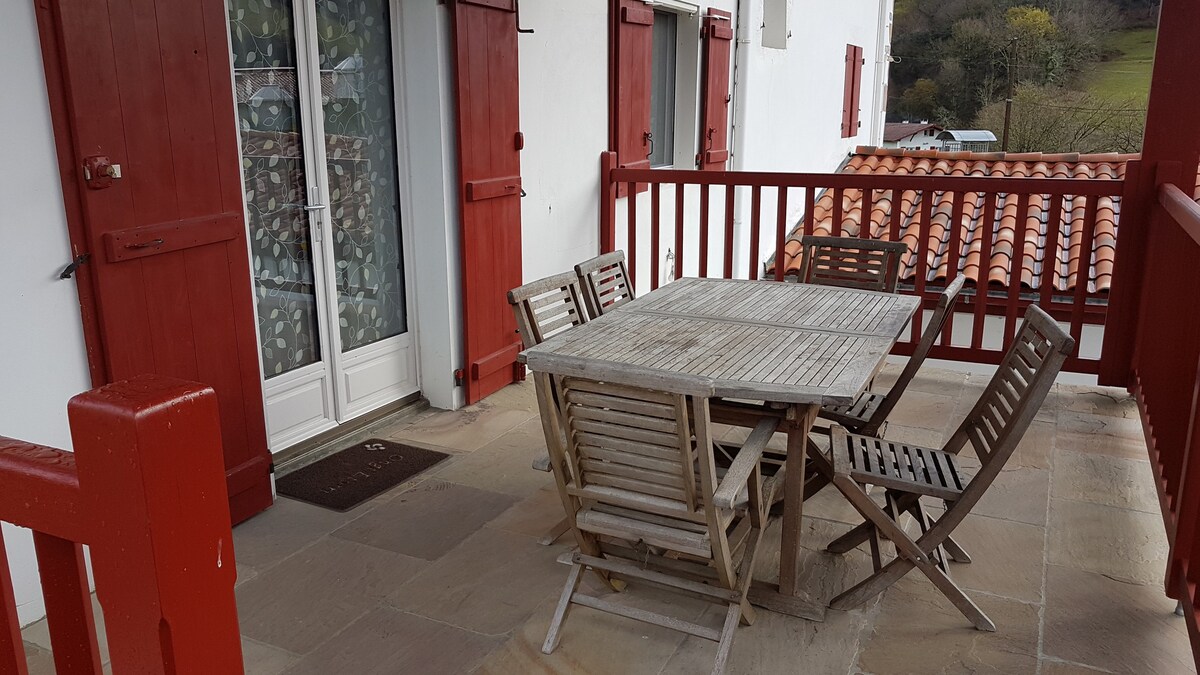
[{"x": 743, "y": 465}]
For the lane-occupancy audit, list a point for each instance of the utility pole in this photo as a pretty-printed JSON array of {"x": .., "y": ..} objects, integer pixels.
[{"x": 1008, "y": 101}]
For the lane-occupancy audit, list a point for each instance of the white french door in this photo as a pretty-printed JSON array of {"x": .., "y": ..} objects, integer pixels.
[{"x": 315, "y": 88}]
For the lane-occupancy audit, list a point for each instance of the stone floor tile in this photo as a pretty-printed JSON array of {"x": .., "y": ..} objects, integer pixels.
[
  {"x": 518, "y": 396},
  {"x": 39, "y": 659},
  {"x": 387, "y": 641},
  {"x": 596, "y": 642},
  {"x": 829, "y": 504},
  {"x": 1108, "y": 401},
  {"x": 306, "y": 599},
  {"x": 922, "y": 410},
  {"x": 1119, "y": 627},
  {"x": 1017, "y": 494},
  {"x": 466, "y": 429},
  {"x": 504, "y": 465},
  {"x": 244, "y": 573},
  {"x": 938, "y": 381},
  {"x": 1055, "y": 667},
  {"x": 489, "y": 584},
  {"x": 281, "y": 530},
  {"x": 428, "y": 520},
  {"x": 534, "y": 515},
  {"x": 261, "y": 659},
  {"x": 1101, "y": 434},
  {"x": 822, "y": 575},
  {"x": 923, "y": 436},
  {"x": 1103, "y": 479},
  {"x": 1007, "y": 558},
  {"x": 1036, "y": 449},
  {"x": 918, "y": 632},
  {"x": 1122, "y": 544}
]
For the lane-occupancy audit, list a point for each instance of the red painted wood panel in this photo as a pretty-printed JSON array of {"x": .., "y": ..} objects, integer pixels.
[
  {"x": 852, "y": 89},
  {"x": 69, "y": 616},
  {"x": 161, "y": 70},
  {"x": 714, "y": 97},
  {"x": 633, "y": 39},
  {"x": 486, "y": 76}
]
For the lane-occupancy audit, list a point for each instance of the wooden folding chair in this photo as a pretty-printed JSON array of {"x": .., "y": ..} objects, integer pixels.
[
  {"x": 545, "y": 308},
  {"x": 869, "y": 264},
  {"x": 907, "y": 472},
  {"x": 867, "y": 414},
  {"x": 605, "y": 281},
  {"x": 647, "y": 501}
]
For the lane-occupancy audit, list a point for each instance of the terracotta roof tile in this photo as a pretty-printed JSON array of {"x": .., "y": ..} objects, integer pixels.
[{"x": 1038, "y": 266}]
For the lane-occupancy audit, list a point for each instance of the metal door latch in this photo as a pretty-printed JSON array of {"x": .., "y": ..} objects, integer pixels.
[
  {"x": 70, "y": 269},
  {"x": 99, "y": 172}
]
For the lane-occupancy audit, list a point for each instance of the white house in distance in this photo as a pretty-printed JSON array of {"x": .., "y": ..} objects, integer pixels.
[
  {"x": 322, "y": 223},
  {"x": 912, "y": 135}
]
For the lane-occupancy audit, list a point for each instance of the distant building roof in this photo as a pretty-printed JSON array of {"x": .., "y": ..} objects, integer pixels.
[
  {"x": 1058, "y": 267},
  {"x": 898, "y": 131},
  {"x": 967, "y": 135}
]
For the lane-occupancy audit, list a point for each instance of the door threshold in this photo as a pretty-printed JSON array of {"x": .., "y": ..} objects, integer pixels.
[{"x": 366, "y": 426}]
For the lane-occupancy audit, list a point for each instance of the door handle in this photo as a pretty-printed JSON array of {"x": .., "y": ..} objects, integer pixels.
[{"x": 315, "y": 207}]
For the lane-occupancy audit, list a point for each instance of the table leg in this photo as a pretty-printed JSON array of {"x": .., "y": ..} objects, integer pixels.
[{"x": 788, "y": 597}]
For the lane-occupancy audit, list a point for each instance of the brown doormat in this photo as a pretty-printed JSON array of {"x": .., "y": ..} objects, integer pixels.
[{"x": 354, "y": 475}]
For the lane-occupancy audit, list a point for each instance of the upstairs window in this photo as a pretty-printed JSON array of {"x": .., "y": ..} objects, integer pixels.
[{"x": 663, "y": 63}]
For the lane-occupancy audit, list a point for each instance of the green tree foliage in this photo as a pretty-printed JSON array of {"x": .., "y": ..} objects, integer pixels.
[
  {"x": 968, "y": 49},
  {"x": 1052, "y": 119}
]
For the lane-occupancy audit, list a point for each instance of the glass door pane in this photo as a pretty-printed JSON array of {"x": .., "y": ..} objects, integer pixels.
[
  {"x": 354, "y": 53},
  {"x": 267, "y": 88}
]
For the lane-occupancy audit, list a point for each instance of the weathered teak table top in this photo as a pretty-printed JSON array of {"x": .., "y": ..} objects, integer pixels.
[
  {"x": 778, "y": 342},
  {"x": 761, "y": 340}
]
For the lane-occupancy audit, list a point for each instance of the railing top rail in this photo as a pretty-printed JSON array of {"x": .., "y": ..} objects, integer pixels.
[
  {"x": 41, "y": 490},
  {"x": 1182, "y": 209},
  {"x": 1102, "y": 187}
]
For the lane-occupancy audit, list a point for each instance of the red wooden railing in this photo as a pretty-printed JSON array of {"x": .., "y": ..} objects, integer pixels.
[
  {"x": 144, "y": 491},
  {"x": 1166, "y": 374},
  {"x": 695, "y": 215}
]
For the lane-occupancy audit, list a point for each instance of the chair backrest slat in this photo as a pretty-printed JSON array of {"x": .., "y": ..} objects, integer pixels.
[
  {"x": 849, "y": 262},
  {"x": 605, "y": 282},
  {"x": 546, "y": 307},
  {"x": 635, "y": 445},
  {"x": 1016, "y": 391},
  {"x": 941, "y": 314}
]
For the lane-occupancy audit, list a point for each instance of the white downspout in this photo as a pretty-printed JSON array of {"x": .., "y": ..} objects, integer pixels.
[
  {"x": 741, "y": 80},
  {"x": 883, "y": 50}
]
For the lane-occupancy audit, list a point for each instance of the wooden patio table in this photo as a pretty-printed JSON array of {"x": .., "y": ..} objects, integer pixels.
[{"x": 796, "y": 345}]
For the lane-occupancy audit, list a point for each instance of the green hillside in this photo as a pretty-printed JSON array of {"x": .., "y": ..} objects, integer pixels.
[{"x": 1127, "y": 75}]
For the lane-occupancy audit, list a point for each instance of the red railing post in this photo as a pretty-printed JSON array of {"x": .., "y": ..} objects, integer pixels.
[
  {"x": 152, "y": 480},
  {"x": 608, "y": 203},
  {"x": 12, "y": 649},
  {"x": 1138, "y": 199}
]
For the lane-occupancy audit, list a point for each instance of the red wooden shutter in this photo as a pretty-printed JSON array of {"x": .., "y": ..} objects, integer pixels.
[
  {"x": 633, "y": 41},
  {"x": 489, "y": 140},
  {"x": 714, "y": 113},
  {"x": 151, "y": 92},
  {"x": 851, "y": 91}
]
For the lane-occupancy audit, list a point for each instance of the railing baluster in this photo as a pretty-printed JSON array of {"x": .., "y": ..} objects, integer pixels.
[
  {"x": 836, "y": 227},
  {"x": 987, "y": 223},
  {"x": 865, "y": 216},
  {"x": 730, "y": 192},
  {"x": 68, "y": 604},
  {"x": 953, "y": 255},
  {"x": 631, "y": 243},
  {"x": 655, "y": 206},
  {"x": 755, "y": 225},
  {"x": 780, "y": 231},
  {"x": 923, "y": 249},
  {"x": 1016, "y": 264},
  {"x": 894, "y": 216},
  {"x": 1050, "y": 261},
  {"x": 679, "y": 203},
  {"x": 703, "y": 259},
  {"x": 1084, "y": 271},
  {"x": 12, "y": 648},
  {"x": 810, "y": 207}
]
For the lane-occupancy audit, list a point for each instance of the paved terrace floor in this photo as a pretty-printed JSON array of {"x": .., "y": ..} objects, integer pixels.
[{"x": 444, "y": 575}]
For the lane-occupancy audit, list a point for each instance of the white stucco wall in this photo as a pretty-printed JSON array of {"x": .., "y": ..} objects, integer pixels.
[{"x": 42, "y": 357}]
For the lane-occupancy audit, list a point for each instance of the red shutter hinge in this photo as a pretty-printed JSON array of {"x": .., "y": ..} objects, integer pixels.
[{"x": 460, "y": 377}]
